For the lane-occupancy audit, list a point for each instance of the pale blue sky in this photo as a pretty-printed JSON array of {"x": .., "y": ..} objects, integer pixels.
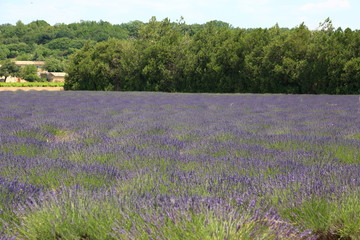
[{"x": 239, "y": 13}]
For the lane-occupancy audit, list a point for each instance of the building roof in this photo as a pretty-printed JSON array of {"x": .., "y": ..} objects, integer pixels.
[
  {"x": 58, "y": 74},
  {"x": 37, "y": 63}
]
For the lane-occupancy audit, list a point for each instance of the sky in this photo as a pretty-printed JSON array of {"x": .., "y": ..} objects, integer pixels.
[{"x": 238, "y": 13}]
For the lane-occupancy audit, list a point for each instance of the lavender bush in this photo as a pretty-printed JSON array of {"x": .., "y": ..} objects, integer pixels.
[{"x": 96, "y": 165}]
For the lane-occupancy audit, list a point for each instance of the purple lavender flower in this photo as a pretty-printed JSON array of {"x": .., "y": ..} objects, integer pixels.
[{"x": 160, "y": 160}]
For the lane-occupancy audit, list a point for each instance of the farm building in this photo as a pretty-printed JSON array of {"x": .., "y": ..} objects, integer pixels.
[
  {"x": 38, "y": 64},
  {"x": 56, "y": 76}
]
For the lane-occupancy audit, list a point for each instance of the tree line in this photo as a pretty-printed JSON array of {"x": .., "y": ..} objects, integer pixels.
[
  {"x": 219, "y": 58},
  {"x": 177, "y": 57},
  {"x": 40, "y": 41}
]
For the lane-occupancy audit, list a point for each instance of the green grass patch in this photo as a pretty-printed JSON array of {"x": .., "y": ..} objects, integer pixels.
[
  {"x": 88, "y": 180},
  {"x": 270, "y": 171},
  {"x": 106, "y": 158},
  {"x": 224, "y": 137},
  {"x": 328, "y": 219},
  {"x": 49, "y": 179},
  {"x": 77, "y": 157},
  {"x": 71, "y": 218},
  {"x": 243, "y": 153},
  {"x": 193, "y": 226},
  {"x": 190, "y": 166},
  {"x": 347, "y": 217},
  {"x": 347, "y": 154},
  {"x": 279, "y": 131},
  {"x": 156, "y": 131},
  {"x": 353, "y": 136},
  {"x": 32, "y": 84},
  {"x": 312, "y": 214},
  {"x": 285, "y": 145},
  {"x": 25, "y": 150},
  {"x": 30, "y": 134},
  {"x": 192, "y": 107},
  {"x": 53, "y": 130},
  {"x": 61, "y": 135},
  {"x": 52, "y": 179},
  {"x": 6, "y": 214},
  {"x": 10, "y": 119},
  {"x": 187, "y": 137},
  {"x": 89, "y": 141}
]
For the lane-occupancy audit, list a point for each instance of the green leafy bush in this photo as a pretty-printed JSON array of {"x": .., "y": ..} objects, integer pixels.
[{"x": 32, "y": 84}]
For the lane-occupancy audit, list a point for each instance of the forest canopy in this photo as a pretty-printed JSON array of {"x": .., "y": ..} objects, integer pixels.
[{"x": 177, "y": 57}]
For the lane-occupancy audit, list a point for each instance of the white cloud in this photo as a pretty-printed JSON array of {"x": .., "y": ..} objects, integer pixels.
[{"x": 325, "y": 6}]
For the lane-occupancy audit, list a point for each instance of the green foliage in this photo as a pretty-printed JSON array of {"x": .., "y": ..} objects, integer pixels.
[
  {"x": 350, "y": 78},
  {"x": 133, "y": 28},
  {"x": 17, "y": 49},
  {"x": 348, "y": 154},
  {"x": 77, "y": 216},
  {"x": 216, "y": 59},
  {"x": 32, "y": 84},
  {"x": 74, "y": 219},
  {"x": 347, "y": 217},
  {"x": 159, "y": 48},
  {"x": 38, "y": 39},
  {"x": 177, "y": 57},
  {"x": 97, "y": 67},
  {"x": 54, "y": 65},
  {"x": 312, "y": 214},
  {"x": 328, "y": 219},
  {"x": 28, "y": 73},
  {"x": 9, "y": 68},
  {"x": 65, "y": 46},
  {"x": 4, "y": 52},
  {"x": 195, "y": 226}
]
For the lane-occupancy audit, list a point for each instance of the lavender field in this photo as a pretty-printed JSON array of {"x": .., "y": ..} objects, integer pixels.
[{"x": 110, "y": 165}]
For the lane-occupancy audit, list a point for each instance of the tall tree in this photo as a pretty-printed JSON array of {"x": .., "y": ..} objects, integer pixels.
[
  {"x": 350, "y": 78},
  {"x": 9, "y": 68},
  {"x": 159, "y": 43},
  {"x": 96, "y": 67}
]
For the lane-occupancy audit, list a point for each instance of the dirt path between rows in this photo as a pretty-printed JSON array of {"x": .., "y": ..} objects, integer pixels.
[{"x": 31, "y": 89}]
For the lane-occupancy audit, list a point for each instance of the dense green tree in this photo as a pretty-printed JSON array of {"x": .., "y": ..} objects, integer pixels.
[
  {"x": 20, "y": 29},
  {"x": 350, "y": 78},
  {"x": 77, "y": 78},
  {"x": 133, "y": 28},
  {"x": 159, "y": 43},
  {"x": 4, "y": 52},
  {"x": 102, "y": 68},
  {"x": 63, "y": 43},
  {"x": 175, "y": 56},
  {"x": 29, "y": 73},
  {"x": 216, "y": 59},
  {"x": 63, "y": 30},
  {"x": 256, "y": 76},
  {"x": 9, "y": 68},
  {"x": 168, "y": 56},
  {"x": 292, "y": 56},
  {"x": 39, "y": 32},
  {"x": 6, "y": 32},
  {"x": 17, "y": 49},
  {"x": 54, "y": 65}
]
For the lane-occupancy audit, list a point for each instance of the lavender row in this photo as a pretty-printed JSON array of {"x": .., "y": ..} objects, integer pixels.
[{"x": 163, "y": 156}]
